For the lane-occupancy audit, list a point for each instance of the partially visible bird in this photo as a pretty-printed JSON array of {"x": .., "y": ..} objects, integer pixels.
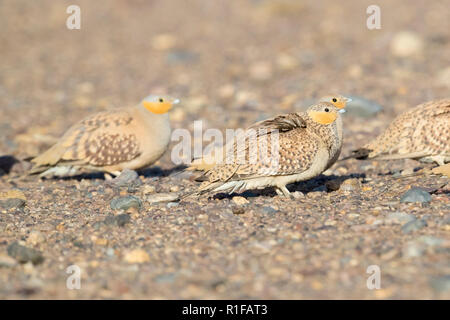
[
  {"x": 339, "y": 101},
  {"x": 276, "y": 152},
  {"x": 111, "y": 141},
  {"x": 422, "y": 133}
]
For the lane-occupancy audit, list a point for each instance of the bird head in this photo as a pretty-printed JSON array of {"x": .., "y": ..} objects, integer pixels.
[
  {"x": 336, "y": 99},
  {"x": 324, "y": 113},
  {"x": 159, "y": 104}
]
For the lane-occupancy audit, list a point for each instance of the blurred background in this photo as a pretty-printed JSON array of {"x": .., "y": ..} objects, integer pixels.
[{"x": 230, "y": 62}]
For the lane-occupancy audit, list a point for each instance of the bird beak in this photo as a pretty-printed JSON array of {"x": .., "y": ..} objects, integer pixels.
[
  {"x": 176, "y": 101},
  {"x": 341, "y": 110},
  {"x": 348, "y": 99}
]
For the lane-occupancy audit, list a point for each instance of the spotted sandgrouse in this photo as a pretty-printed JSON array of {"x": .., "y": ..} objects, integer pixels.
[{"x": 111, "y": 141}]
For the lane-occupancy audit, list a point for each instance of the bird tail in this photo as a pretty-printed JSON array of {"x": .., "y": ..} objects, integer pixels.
[{"x": 360, "y": 154}]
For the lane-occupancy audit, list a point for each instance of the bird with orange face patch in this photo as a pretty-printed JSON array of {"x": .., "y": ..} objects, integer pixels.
[
  {"x": 111, "y": 141},
  {"x": 339, "y": 101},
  {"x": 278, "y": 151}
]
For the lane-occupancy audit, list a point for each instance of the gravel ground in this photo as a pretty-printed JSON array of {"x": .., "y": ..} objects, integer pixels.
[{"x": 231, "y": 63}]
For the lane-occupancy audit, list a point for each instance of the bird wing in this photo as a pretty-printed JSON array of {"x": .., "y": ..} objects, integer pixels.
[
  {"x": 282, "y": 146},
  {"x": 281, "y": 123},
  {"x": 100, "y": 140}
]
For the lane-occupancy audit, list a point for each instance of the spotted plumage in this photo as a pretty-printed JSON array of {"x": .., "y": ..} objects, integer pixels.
[
  {"x": 339, "y": 101},
  {"x": 110, "y": 141},
  {"x": 285, "y": 149},
  {"x": 423, "y": 133}
]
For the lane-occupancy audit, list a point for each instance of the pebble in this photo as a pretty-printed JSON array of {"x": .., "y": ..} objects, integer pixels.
[
  {"x": 12, "y": 194},
  {"x": 240, "y": 200},
  {"x": 181, "y": 56},
  {"x": 416, "y": 194},
  {"x": 362, "y": 107},
  {"x": 119, "y": 220},
  {"x": 128, "y": 178},
  {"x": 414, "y": 225},
  {"x": 148, "y": 189},
  {"x": 444, "y": 77},
  {"x": 164, "y": 41},
  {"x": 24, "y": 254},
  {"x": 136, "y": 256},
  {"x": 441, "y": 283},
  {"x": 260, "y": 71},
  {"x": 13, "y": 203},
  {"x": 124, "y": 203},
  {"x": 268, "y": 210},
  {"x": 162, "y": 197},
  {"x": 35, "y": 238},
  {"x": 173, "y": 204},
  {"x": 406, "y": 44},
  {"x": 350, "y": 185},
  {"x": 399, "y": 217},
  {"x": 7, "y": 262}
]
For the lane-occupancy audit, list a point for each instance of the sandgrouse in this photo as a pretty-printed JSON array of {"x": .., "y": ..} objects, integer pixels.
[
  {"x": 276, "y": 152},
  {"x": 423, "y": 133},
  {"x": 111, "y": 141},
  {"x": 339, "y": 101}
]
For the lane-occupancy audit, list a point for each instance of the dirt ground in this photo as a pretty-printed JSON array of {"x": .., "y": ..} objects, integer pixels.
[{"x": 231, "y": 63}]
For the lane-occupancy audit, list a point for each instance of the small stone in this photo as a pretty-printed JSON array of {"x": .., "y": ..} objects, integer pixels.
[
  {"x": 119, "y": 220},
  {"x": 287, "y": 62},
  {"x": 7, "y": 262},
  {"x": 148, "y": 189},
  {"x": 24, "y": 254},
  {"x": 162, "y": 197},
  {"x": 353, "y": 216},
  {"x": 174, "y": 188},
  {"x": 122, "y": 219},
  {"x": 414, "y": 225},
  {"x": 181, "y": 56},
  {"x": 350, "y": 185},
  {"x": 164, "y": 41},
  {"x": 12, "y": 194},
  {"x": 238, "y": 210},
  {"x": 137, "y": 256},
  {"x": 35, "y": 238},
  {"x": 399, "y": 217},
  {"x": 405, "y": 44},
  {"x": 416, "y": 194},
  {"x": 268, "y": 210},
  {"x": 444, "y": 77},
  {"x": 12, "y": 203},
  {"x": 260, "y": 71},
  {"x": 173, "y": 204},
  {"x": 124, "y": 203},
  {"x": 414, "y": 250},
  {"x": 240, "y": 201},
  {"x": 127, "y": 178},
  {"x": 361, "y": 107},
  {"x": 441, "y": 283},
  {"x": 333, "y": 185}
]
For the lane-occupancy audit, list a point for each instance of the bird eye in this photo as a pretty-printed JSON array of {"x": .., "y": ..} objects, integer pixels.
[
  {"x": 327, "y": 110},
  {"x": 334, "y": 100},
  {"x": 161, "y": 100}
]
